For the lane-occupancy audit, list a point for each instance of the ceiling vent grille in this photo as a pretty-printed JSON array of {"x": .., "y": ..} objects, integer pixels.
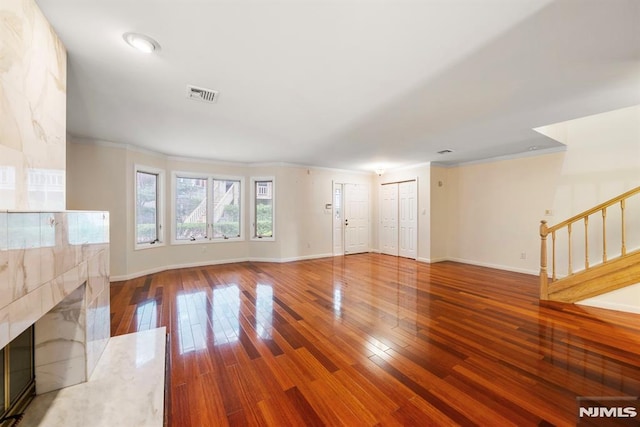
[
  {"x": 445, "y": 151},
  {"x": 202, "y": 94}
]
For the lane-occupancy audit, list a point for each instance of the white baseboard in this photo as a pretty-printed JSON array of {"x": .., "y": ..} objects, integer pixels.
[
  {"x": 496, "y": 266},
  {"x": 304, "y": 258},
  {"x": 291, "y": 259},
  {"x": 174, "y": 267},
  {"x": 432, "y": 260},
  {"x": 214, "y": 262},
  {"x": 479, "y": 264}
]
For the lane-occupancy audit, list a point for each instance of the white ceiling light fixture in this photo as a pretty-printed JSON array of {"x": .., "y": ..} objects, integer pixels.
[{"x": 141, "y": 42}]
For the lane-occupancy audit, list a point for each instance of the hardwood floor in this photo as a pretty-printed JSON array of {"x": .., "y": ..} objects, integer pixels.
[{"x": 376, "y": 340}]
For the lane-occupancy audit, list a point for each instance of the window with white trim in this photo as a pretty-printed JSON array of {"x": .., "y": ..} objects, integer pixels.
[
  {"x": 263, "y": 208},
  {"x": 191, "y": 208},
  {"x": 149, "y": 184},
  {"x": 207, "y": 208}
]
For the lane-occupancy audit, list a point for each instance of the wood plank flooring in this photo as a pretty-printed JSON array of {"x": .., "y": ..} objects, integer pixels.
[{"x": 369, "y": 339}]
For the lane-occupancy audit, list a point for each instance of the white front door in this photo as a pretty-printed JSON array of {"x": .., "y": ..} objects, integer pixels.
[
  {"x": 389, "y": 219},
  {"x": 356, "y": 218},
  {"x": 408, "y": 219}
]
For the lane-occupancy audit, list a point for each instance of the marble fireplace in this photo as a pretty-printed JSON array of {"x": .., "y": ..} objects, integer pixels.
[{"x": 54, "y": 274}]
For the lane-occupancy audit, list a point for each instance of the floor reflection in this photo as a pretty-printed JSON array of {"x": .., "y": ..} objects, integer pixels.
[
  {"x": 147, "y": 315},
  {"x": 226, "y": 315},
  {"x": 264, "y": 311},
  {"x": 192, "y": 321},
  {"x": 337, "y": 300}
]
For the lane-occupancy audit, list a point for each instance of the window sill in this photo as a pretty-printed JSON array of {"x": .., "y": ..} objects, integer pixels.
[
  {"x": 207, "y": 241},
  {"x": 145, "y": 246},
  {"x": 263, "y": 239}
]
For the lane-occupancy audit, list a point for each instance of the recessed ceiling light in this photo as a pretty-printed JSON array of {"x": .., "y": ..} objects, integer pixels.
[{"x": 141, "y": 42}]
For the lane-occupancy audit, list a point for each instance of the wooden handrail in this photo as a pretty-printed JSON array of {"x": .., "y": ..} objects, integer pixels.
[
  {"x": 545, "y": 230},
  {"x": 595, "y": 209}
]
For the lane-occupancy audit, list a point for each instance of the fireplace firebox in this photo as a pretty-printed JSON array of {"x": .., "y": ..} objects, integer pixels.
[{"x": 18, "y": 385}]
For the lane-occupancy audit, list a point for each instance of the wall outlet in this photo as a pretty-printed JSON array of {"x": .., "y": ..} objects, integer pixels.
[
  {"x": 548, "y": 212},
  {"x": 523, "y": 255}
]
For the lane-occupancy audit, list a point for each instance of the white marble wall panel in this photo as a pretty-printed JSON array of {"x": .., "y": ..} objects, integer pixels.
[
  {"x": 33, "y": 105},
  {"x": 4, "y": 324},
  {"x": 60, "y": 375},
  {"x": 47, "y": 246},
  {"x": 4, "y": 217},
  {"x": 60, "y": 332},
  {"x": 24, "y": 313},
  {"x": 60, "y": 340},
  {"x": 98, "y": 328}
]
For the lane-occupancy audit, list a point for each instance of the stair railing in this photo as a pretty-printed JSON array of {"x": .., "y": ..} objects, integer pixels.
[{"x": 545, "y": 231}]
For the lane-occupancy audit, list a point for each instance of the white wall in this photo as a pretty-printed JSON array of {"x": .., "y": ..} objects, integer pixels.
[
  {"x": 101, "y": 176},
  {"x": 442, "y": 213},
  {"x": 625, "y": 299},
  {"x": 495, "y": 210},
  {"x": 96, "y": 180}
]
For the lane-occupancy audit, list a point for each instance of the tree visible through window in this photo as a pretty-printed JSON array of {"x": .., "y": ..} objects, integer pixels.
[
  {"x": 263, "y": 209},
  {"x": 207, "y": 208},
  {"x": 191, "y": 208},
  {"x": 226, "y": 209},
  {"x": 147, "y": 224}
]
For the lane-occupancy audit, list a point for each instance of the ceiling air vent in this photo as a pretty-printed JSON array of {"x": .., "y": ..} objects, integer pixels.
[
  {"x": 202, "y": 94},
  {"x": 445, "y": 151}
]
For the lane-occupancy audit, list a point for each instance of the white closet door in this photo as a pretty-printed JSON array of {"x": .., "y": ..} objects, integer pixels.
[
  {"x": 389, "y": 219},
  {"x": 408, "y": 219}
]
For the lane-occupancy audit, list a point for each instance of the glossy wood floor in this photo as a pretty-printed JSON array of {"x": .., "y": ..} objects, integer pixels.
[{"x": 371, "y": 340}]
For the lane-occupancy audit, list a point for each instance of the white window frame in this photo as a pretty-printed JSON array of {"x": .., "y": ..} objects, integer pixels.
[
  {"x": 160, "y": 204},
  {"x": 209, "y": 227},
  {"x": 254, "y": 230}
]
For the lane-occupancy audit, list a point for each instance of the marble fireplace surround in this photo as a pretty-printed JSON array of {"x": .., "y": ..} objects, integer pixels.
[{"x": 54, "y": 273}]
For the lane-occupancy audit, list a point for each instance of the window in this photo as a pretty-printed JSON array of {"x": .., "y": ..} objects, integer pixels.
[
  {"x": 226, "y": 209},
  {"x": 207, "y": 208},
  {"x": 148, "y": 210},
  {"x": 191, "y": 208},
  {"x": 262, "y": 212}
]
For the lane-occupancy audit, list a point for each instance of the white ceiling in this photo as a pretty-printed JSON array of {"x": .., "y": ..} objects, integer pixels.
[{"x": 349, "y": 84}]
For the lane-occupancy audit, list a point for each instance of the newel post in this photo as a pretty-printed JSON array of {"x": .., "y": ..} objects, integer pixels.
[{"x": 544, "y": 278}]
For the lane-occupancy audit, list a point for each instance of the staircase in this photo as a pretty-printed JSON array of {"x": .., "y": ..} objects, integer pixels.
[{"x": 608, "y": 273}]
